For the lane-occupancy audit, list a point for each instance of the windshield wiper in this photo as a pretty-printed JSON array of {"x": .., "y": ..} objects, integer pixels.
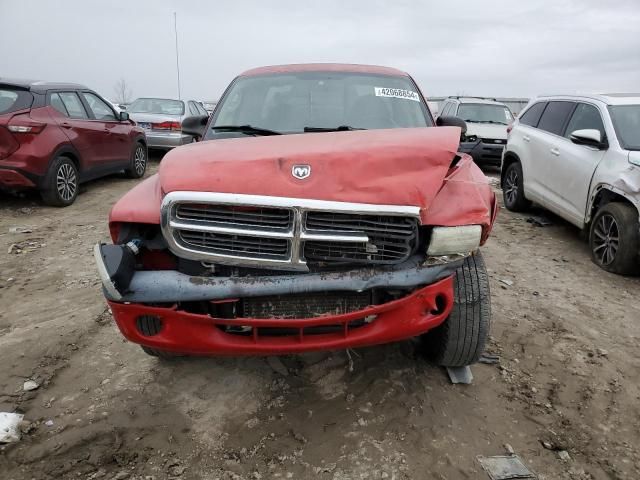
[
  {"x": 341, "y": 128},
  {"x": 246, "y": 129},
  {"x": 485, "y": 121}
]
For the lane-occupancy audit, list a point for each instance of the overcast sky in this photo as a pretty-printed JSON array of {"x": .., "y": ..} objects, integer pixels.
[{"x": 474, "y": 47}]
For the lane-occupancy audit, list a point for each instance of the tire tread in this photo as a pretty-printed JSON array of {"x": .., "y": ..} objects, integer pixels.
[{"x": 461, "y": 338}]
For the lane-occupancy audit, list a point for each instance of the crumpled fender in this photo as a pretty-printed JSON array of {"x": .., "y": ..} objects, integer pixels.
[
  {"x": 466, "y": 198},
  {"x": 141, "y": 204}
]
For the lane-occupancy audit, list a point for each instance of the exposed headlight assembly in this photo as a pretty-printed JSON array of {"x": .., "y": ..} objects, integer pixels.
[{"x": 455, "y": 241}]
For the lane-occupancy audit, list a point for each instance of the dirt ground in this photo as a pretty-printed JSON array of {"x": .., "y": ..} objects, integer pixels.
[{"x": 566, "y": 332}]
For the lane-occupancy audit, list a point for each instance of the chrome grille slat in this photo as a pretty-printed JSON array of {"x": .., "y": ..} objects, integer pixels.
[
  {"x": 260, "y": 217},
  {"x": 287, "y": 233},
  {"x": 236, "y": 244},
  {"x": 391, "y": 239},
  {"x": 340, "y": 221}
]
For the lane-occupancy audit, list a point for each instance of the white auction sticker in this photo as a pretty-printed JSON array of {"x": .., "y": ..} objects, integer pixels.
[{"x": 396, "y": 93}]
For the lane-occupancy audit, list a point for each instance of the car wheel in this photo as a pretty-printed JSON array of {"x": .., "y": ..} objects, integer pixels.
[
  {"x": 61, "y": 184},
  {"x": 461, "y": 338},
  {"x": 513, "y": 189},
  {"x": 614, "y": 238},
  {"x": 138, "y": 161}
]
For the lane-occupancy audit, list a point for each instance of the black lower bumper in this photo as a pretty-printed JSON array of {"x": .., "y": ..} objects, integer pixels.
[{"x": 121, "y": 284}]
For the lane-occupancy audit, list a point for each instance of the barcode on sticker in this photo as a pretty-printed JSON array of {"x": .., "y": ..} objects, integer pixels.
[{"x": 396, "y": 93}]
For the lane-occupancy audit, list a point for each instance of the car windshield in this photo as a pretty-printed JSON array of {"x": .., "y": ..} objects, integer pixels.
[
  {"x": 626, "y": 121},
  {"x": 484, "y": 113},
  {"x": 291, "y": 102},
  {"x": 157, "y": 105}
]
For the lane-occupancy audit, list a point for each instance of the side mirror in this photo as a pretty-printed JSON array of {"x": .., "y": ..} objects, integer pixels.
[
  {"x": 445, "y": 121},
  {"x": 589, "y": 137},
  {"x": 195, "y": 126},
  {"x": 123, "y": 116}
]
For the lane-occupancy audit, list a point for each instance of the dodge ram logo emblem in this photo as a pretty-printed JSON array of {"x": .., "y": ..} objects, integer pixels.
[{"x": 301, "y": 171}]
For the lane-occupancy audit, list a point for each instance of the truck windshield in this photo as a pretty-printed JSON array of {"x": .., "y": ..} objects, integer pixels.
[
  {"x": 626, "y": 121},
  {"x": 484, "y": 113},
  {"x": 291, "y": 102}
]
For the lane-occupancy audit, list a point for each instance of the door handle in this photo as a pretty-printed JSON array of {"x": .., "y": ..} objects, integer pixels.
[
  {"x": 526, "y": 139},
  {"x": 107, "y": 131},
  {"x": 65, "y": 125},
  {"x": 555, "y": 151}
]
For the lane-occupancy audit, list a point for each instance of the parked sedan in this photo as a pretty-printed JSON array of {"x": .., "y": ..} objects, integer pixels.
[
  {"x": 579, "y": 156},
  {"x": 162, "y": 118},
  {"x": 53, "y": 136}
]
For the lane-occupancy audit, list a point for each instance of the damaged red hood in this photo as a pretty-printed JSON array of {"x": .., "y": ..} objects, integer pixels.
[{"x": 392, "y": 167}]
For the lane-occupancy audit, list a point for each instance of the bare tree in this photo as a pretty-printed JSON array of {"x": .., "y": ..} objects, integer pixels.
[{"x": 122, "y": 91}]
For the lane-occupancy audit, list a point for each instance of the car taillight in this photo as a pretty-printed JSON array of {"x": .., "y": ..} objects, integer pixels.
[
  {"x": 23, "y": 124},
  {"x": 172, "y": 126},
  {"x": 8, "y": 143}
]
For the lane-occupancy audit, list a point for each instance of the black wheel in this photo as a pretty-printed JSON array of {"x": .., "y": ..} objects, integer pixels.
[
  {"x": 61, "y": 184},
  {"x": 154, "y": 352},
  {"x": 614, "y": 238},
  {"x": 513, "y": 189},
  {"x": 138, "y": 161},
  {"x": 461, "y": 338}
]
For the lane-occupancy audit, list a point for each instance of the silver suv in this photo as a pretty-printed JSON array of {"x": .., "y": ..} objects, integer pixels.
[
  {"x": 579, "y": 156},
  {"x": 487, "y": 121}
]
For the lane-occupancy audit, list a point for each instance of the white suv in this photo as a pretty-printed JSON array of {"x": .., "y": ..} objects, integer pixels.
[
  {"x": 487, "y": 121},
  {"x": 579, "y": 156}
]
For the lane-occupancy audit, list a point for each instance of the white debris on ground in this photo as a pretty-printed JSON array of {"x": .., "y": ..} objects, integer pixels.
[
  {"x": 9, "y": 427},
  {"x": 29, "y": 385}
]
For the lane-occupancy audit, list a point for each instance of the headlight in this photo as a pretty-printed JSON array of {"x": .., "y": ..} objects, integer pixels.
[
  {"x": 454, "y": 240},
  {"x": 469, "y": 138}
]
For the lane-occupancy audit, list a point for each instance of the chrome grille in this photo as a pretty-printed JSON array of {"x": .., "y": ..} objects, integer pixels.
[
  {"x": 236, "y": 245},
  {"x": 494, "y": 141},
  {"x": 286, "y": 233},
  {"x": 391, "y": 238},
  {"x": 229, "y": 215}
]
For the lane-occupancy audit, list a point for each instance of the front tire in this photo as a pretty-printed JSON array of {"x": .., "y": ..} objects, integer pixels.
[
  {"x": 614, "y": 238},
  {"x": 461, "y": 338},
  {"x": 139, "y": 158},
  {"x": 61, "y": 184},
  {"x": 513, "y": 189}
]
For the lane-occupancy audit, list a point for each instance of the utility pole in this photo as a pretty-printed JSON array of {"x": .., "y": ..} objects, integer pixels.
[{"x": 175, "y": 29}]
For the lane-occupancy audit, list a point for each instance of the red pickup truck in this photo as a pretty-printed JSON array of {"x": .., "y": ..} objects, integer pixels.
[{"x": 323, "y": 209}]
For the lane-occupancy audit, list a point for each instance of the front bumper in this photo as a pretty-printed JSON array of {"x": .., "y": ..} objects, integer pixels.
[
  {"x": 483, "y": 153},
  {"x": 204, "y": 334},
  {"x": 167, "y": 140},
  {"x": 164, "y": 286},
  {"x": 201, "y": 334}
]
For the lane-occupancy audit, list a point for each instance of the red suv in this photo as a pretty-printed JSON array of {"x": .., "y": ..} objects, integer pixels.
[{"x": 54, "y": 136}]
